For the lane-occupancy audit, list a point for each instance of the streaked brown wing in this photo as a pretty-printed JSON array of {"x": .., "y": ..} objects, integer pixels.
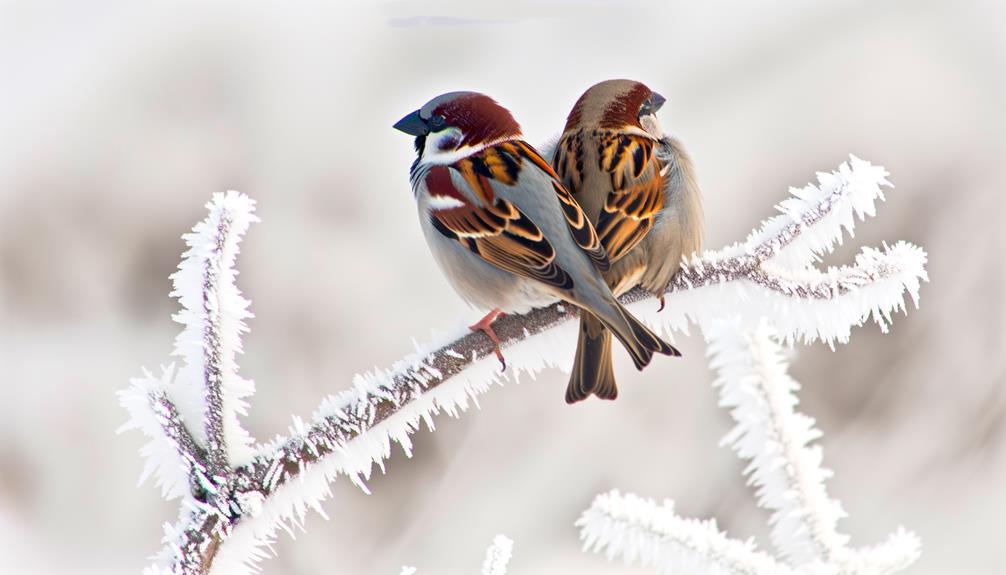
[
  {"x": 497, "y": 232},
  {"x": 503, "y": 162},
  {"x": 637, "y": 192},
  {"x": 568, "y": 160}
]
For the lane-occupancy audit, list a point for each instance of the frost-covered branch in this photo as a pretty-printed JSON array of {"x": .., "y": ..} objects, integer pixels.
[
  {"x": 496, "y": 561},
  {"x": 770, "y": 274},
  {"x": 172, "y": 453},
  {"x": 251, "y": 491},
  {"x": 212, "y": 346},
  {"x": 784, "y": 468},
  {"x": 651, "y": 535},
  {"x": 498, "y": 556},
  {"x": 213, "y": 313}
]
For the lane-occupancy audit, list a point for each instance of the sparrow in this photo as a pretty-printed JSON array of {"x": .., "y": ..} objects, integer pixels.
[
  {"x": 501, "y": 226},
  {"x": 638, "y": 188}
]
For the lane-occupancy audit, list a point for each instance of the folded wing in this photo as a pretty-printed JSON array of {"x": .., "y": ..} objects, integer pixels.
[
  {"x": 637, "y": 186},
  {"x": 496, "y": 231},
  {"x": 494, "y": 228}
]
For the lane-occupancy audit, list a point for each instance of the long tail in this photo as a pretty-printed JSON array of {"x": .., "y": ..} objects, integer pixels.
[{"x": 592, "y": 372}]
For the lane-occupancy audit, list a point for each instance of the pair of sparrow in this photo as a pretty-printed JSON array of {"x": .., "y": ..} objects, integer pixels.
[{"x": 615, "y": 205}]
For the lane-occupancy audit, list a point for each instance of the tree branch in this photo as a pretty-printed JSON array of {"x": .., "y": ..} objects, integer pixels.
[
  {"x": 193, "y": 456},
  {"x": 784, "y": 468},
  {"x": 213, "y": 371},
  {"x": 652, "y": 535}
]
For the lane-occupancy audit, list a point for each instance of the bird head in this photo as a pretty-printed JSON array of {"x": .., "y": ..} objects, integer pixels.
[
  {"x": 457, "y": 124},
  {"x": 619, "y": 105}
]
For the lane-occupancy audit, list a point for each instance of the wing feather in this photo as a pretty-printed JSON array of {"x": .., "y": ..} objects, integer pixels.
[
  {"x": 497, "y": 231},
  {"x": 637, "y": 192},
  {"x": 502, "y": 163},
  {"x": 579, "y": 225}
]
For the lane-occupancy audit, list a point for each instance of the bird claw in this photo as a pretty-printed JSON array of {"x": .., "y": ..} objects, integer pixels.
[
  {"x": 661, "y": 308},
  {"x": 485, "y": 326}
]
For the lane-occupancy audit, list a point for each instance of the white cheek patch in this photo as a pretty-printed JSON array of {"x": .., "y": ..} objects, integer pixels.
[
  {"x": 442, "y": 143},
  {"x": 434, "y": 155},
  {"x": 444, "y": 202},
  {"x": 651, "y": 124}
]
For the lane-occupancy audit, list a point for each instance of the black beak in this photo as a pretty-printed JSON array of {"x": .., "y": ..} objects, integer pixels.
[
  {"x": 412, "y": 125},
  {"x": 658, "y": 101}
]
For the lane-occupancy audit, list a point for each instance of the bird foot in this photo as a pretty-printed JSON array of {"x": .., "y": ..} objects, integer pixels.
[{"x": 485, "y": 326}]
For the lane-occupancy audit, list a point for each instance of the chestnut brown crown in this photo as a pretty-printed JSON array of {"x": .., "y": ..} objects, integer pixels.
[
  {"x": 479, "y": 118},
  {"x": 613, "y": 105}
]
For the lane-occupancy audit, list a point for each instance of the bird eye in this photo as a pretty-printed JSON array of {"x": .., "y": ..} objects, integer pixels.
[
  {"x": 437, "y": 122},
  {"x": 448, "y": 143},
  {"x": 646, "y": 108}
]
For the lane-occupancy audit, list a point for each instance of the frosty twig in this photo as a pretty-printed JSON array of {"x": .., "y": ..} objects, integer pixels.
[
  {"x": 651, "y": 535},
  {"x": 495, "y": 563},
  {"x": 784, "y": 468},
  {"x": 193, "y": 456},
  {"x": 213, "y": 371}
]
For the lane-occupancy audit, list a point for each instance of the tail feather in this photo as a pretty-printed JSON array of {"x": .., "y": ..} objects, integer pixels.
[
  {"x": 639, "y": 341},
  {"x": 649, "y": 339},
  {"x": 592, "y": 368},
  {"x": 592, "y": 371}
]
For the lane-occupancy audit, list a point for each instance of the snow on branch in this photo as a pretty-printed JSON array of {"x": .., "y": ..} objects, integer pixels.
[
  {"x": 209, "y": 388},
  {"x": 652, "y": 535},
  {"x": 171, "y": 455},
  {"x": 498, "y": 556},
  {"x": 496, "y": 561},
  {"x": 236, "y": 495},
  {"x": 770, "y": 273},
  {"x": 784, "y": 468}
]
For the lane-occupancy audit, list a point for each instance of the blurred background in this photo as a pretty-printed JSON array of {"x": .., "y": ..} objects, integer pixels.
[{"x": 120, "y": 119}]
